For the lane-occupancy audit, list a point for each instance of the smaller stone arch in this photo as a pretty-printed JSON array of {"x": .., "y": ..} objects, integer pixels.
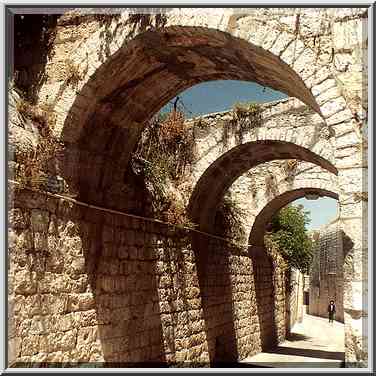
[
  {"x": 255, "y": 189},
  {"x": 221, "y": 174},
  {"x": 287, "y": 120},
  {"x": 264, "y": 217}
]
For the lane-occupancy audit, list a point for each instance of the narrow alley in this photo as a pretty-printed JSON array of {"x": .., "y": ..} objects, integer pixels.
[{"x": 313, "y": 343}]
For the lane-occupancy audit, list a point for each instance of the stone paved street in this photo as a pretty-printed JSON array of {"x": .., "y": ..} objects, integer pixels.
[{"x": 313, "y": 343}]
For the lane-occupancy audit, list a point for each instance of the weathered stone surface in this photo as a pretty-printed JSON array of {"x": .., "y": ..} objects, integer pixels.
[
  {"x": 39, "y": 220},
  {"x": 94, "y": 269},
  {"x": 16, "y": 219},
  {"x": 25, "y": 282}
]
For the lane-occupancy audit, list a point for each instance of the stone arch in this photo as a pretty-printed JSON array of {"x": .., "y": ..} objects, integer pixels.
[
  {"x": 221, "y": 174},
  {"x": 255, "y": 189},
  {"x": 247, "y": 27},
  {"x": 286, "y": 120},
  {"x": 256, "y": 236},
  {"x": 154, "y": 66},
  {"x": 143, "y": 71}
]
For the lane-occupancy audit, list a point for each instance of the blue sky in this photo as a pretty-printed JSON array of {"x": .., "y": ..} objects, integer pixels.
[{"x": 215, "y": 96}]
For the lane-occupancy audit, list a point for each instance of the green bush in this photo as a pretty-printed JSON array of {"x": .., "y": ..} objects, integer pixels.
[{"x": 289, "y": 234}]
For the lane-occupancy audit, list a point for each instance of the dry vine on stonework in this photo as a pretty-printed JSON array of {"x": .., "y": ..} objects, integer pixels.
[
  {"x": 245, "y": 116},
  {"x": 290, "y": 167},
  {"x": 73, "y": 75},
  {"x": 228, "y": 220},
  {"x": 163, "y": 155},
  {"x": 33, "y": 169}
]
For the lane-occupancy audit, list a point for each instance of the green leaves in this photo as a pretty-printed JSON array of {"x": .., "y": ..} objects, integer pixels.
[{"x": 290, "y": 236}]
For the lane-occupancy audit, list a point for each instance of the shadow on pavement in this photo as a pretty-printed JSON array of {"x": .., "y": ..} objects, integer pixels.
[
  {"x": 322, "y": 354},
  {"x": 297, "y": 337},
  {"x": 329, "y": 364}
]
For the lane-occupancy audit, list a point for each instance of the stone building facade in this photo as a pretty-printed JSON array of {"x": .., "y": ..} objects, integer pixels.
[
  {"x": 326, "y": 275},
  {"x": 103, "y": 78}
]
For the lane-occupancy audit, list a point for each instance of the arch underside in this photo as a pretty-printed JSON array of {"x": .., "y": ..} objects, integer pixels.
[{"x": 141, "y": 77}]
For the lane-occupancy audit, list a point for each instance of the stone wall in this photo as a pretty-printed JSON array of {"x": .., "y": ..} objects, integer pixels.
[
  {"x": 131, "y": 65},
  {"x": 326, "y": 275},
  {"x": 296, "y": 296},
  {"x": 93, "y": 286}
]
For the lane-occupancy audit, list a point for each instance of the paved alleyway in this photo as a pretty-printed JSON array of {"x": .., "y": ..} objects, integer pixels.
[{"x": 313, "y": 343}]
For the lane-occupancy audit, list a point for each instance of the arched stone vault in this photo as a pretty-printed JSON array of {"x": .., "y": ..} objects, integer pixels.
[
  {"x": 137, "y": 80},
  {"x": 286, "y": 120},
  {"x": 142, "y": 70}
]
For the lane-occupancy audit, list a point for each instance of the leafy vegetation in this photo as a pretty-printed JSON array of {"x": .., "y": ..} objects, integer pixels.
[{"x": 289, "y": 234}]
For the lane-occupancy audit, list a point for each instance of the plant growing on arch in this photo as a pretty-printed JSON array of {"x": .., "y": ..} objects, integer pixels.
[{"x": 289, "y": 234}]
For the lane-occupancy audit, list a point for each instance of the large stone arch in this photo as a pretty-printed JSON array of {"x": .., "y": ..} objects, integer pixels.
[
  {"x": 263, "y": 184},
  {"x": 286, "y": 120},
  {"x": 108, "y": 130},
  {"x": 101, "y": 120}
]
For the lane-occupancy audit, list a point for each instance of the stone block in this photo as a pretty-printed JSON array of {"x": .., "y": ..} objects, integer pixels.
[
  {"x": 123, "y": 252},
  {"x": 25, "y": 282},
  {"x": 348, "y": 34},
  {"x": 23, "y": 242},
  {"x": 87, "y": 336},
  {"x": 17, "y": 219},
  {"x": 108, "y": 234},
  {"x": 133, "y": 252},
  {"x": 30, "y": 345},
  {"x": 39, "y": 220},
  {"x": 80, "y": 302},
  {"x": 14, "y": 349}
]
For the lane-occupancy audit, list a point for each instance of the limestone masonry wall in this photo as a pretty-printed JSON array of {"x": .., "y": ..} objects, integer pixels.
[
  {"x": 326, "y": 275},
  {"x": 296, "y": 297},
  {"x": 89, "y": 286}
]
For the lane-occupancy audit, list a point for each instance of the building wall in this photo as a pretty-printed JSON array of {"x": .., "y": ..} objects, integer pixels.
[
  {"x": 327, "y": 48},
  {"x": 296, "y": 297},
  {"x": 326, "y": 275},
  {"x": 93, "y": 286}
]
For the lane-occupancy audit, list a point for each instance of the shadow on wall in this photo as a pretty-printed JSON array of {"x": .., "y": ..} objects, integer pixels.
[
  {"x": 217, "y": 299},
  {"x": 238, "y": 300},
  {"x": 266, "y": 297},
  {"x": 121, "y": 265}
]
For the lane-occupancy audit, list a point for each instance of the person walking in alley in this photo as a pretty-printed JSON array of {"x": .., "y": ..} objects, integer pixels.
[{"x": 331, "y": 310}]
